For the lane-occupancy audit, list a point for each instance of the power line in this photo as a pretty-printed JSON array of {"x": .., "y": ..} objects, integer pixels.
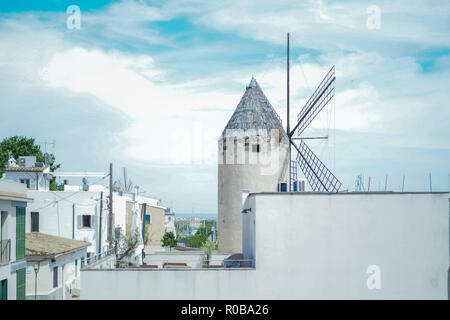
[{"x": 71, "y": 195}]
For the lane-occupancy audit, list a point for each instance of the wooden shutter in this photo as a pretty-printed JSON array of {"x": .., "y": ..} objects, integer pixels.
[{"x": 20, "y": 233}]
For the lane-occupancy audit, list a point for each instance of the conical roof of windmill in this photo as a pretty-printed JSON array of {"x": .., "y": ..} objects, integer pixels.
[{"x": 254, "y": 111}]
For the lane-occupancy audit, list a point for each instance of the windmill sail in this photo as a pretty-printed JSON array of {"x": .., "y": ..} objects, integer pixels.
[
  {"x": 319, "y": 99},
  {"x": 319, "y": 177}
]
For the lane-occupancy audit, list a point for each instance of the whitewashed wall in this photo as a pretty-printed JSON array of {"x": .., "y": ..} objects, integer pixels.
[{"x": 312, "y": 246}]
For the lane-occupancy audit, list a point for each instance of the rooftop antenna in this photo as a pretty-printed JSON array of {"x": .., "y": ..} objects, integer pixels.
[
  {"x": 359, "y": 184},
  {"x": 45, "y": 143},
  {"x": 431, "y": 186},
  {"x": 318, "y": 175}
]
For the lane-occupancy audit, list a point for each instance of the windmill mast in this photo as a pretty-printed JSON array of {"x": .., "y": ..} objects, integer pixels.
[{"x": 287, "y": 120}]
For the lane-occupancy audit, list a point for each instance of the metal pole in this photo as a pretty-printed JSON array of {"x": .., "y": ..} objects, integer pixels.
[
  {"x": 431, "y": 187},
  {"x": 100, "y": 224},
  {"x": 403, "y": 184},
  {"x": 385, "y": 184},
  {"x": 35, "y": 284},
  {"x": 287, "y": 120},
  {"x": 73, "y": 221},
  {"x": 110, "y": 203},
  {"x": 368, "y": 187}
]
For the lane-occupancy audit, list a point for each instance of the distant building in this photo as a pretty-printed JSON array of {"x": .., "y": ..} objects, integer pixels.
[
  {"x": 35, "y": 175},
  {"x": 169, "y": 223},
  {"x": 57, "y": 261},
  {"x": 253, "y": 155},
  {"x": 155, "y": 225},
  {"x": 13, "y": 201}
]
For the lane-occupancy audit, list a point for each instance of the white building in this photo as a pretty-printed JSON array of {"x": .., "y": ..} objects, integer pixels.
[
  {"x": 169, "y": 222},
  {"x": 312, "y": 246},
  {"x": 253, "y": 155},
  {"x": 53, "y": 266},
  {"x": 36, "y": 175},
  {"x": 13, "y": 201}
]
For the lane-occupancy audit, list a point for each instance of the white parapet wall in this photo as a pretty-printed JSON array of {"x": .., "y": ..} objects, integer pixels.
[{"x": 313, "y": 246}]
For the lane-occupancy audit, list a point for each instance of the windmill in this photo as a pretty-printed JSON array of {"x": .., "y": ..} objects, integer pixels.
[{"x": 320, "y": 178}]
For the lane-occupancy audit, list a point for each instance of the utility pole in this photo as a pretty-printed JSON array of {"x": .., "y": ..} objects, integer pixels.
[
  {"x": 403, "y": 184},
  {"x": 287, "y": 120},
  {"x": 100, "y": 224},
  {"x": 110, "y": 227}
]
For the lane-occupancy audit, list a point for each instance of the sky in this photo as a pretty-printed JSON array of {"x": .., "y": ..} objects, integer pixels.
[{"x": 150, "y": 85}]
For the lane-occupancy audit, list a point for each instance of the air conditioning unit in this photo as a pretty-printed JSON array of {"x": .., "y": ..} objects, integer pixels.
[
  {"x": 299, "y": 186},
  {"x": 282, "y": 187},
  {"x": 27, "y": 162}
]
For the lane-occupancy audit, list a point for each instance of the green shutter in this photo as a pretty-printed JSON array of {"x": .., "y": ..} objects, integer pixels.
[
  {"x": 4, "y": 289},
  {"x": 76, "y": 267},
  {"x": 20, "y": 233},
  {"x": 20, "y": 274}
]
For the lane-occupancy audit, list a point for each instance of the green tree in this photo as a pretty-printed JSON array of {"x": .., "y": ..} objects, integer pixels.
[
  {"x": 208, "y": 247},
  {"x": 169, "y": 240},
  {"x": 125, "y": 246},
  {"x": 22, "y": 146}
]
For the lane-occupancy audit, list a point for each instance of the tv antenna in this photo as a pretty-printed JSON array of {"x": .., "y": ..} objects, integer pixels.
[
  {"x": 319, "y": 177},
  {"x": 45, "y": 143}
]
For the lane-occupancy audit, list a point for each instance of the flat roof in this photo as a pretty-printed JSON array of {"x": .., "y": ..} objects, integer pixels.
[{"x": 345, "y": 193}]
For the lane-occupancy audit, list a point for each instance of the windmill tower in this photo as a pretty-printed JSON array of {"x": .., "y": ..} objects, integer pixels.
[
  {"x": 253, "y": 155},
  {"x": 254, "y": 132}
]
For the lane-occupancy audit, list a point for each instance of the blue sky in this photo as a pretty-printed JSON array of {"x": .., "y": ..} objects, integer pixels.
[{"x": 150, "y": 85}]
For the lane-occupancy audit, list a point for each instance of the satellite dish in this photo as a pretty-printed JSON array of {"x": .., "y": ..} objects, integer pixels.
[
  {"x": 48, "y": 159},
  {"x": 85, "y": 184}
]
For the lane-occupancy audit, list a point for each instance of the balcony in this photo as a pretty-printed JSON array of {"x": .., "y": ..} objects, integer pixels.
[{"x": 5, "y": 251}]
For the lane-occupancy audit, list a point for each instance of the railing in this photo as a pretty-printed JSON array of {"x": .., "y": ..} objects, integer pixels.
[
  {"x": 92, "y": 259},
  {"x": 5, "y": 251},
  {"x": 195, "y": 263}
]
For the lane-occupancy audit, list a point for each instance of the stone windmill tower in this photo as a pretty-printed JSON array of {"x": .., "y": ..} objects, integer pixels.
[{"x": 254, "y": 156}]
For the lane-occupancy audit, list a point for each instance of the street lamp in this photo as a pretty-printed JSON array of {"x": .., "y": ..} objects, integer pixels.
[{"x": 36, "y": 270}]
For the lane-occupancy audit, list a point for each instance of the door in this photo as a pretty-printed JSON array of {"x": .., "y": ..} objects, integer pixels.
[{"x": 4, "y": 289}]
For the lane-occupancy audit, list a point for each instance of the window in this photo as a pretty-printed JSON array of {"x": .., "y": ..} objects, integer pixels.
[
  {"x": 76, "y": 267},
  {"x": 255, "y": 147},
  {"x": 147, "y": 219},
  {"x": 82, "y": 262},
  {"x": 86, "y": 221},
  {"x": 34, "y": 221},
  {"x": 55, "y": 277},
  {"x": 26, "y": 181},
  {"x": 247, "y": 144}
]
